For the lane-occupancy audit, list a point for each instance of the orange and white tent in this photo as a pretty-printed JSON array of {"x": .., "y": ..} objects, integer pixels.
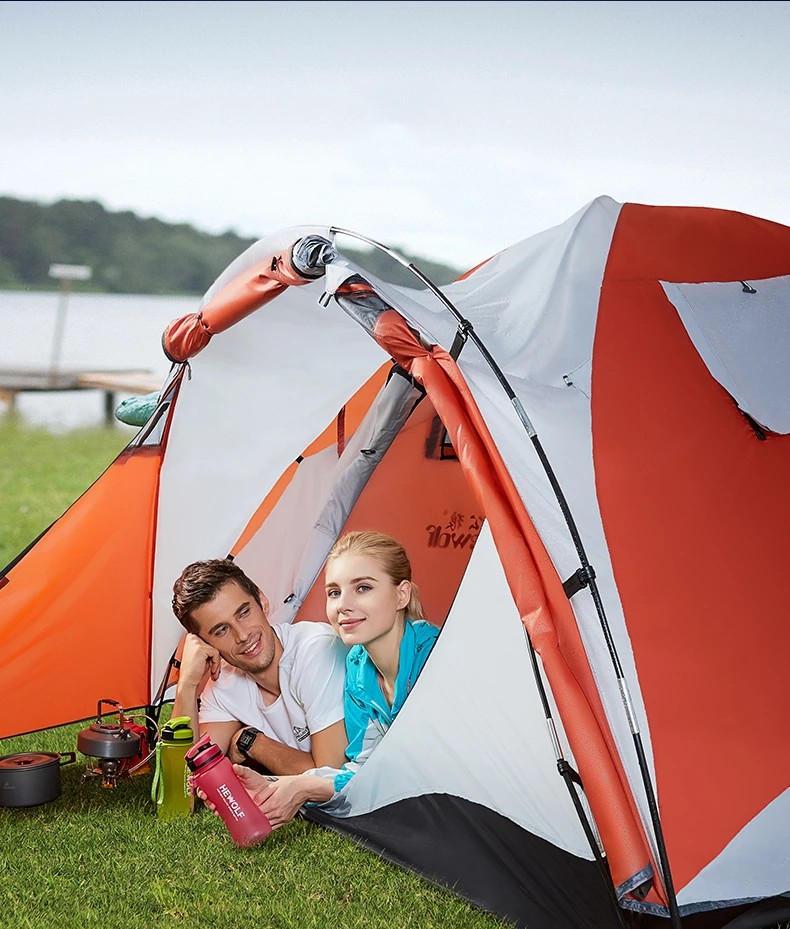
[{"x": 583, "y": 445}]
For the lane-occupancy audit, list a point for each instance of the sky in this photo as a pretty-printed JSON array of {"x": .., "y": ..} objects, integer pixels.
[{"x": 448, "y": 129}]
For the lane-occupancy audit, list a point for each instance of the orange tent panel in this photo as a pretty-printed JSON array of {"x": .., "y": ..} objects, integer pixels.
[
  {"x": 679, "y": 469},
  {"x": 75, "y": 611}
]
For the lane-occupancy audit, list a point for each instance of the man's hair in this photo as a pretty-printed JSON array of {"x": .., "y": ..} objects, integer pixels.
[{"x": 200, "y": 583}]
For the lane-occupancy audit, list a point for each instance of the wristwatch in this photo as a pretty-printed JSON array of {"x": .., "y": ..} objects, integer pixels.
[{"x": 245, "y": 740}]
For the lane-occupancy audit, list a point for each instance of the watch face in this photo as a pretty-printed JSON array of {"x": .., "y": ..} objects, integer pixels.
[{"x": 245, "y": 740}]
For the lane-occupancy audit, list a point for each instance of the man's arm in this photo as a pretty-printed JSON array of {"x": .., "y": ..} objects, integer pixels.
[
  {"x": 328, "y": 749},
  {"x": 273, "y": 755},
  {"x": 198, "y": 661},
  {"x": 329, "y": 746},
  {"x": 317, "y": 682},
  {"x": 222, "y": 734}
]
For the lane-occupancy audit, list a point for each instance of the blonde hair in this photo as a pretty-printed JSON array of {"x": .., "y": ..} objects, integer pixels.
[{"x": 389, "y": 553}]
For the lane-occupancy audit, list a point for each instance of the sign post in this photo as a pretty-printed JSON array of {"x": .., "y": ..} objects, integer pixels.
[{"x": 66, "y": 274}]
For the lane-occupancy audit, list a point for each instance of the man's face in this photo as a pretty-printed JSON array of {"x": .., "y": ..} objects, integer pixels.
[{"x": 237, "y": 627}]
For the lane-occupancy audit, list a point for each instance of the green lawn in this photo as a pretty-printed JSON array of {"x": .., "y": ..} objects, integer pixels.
[
  {"x": 42, "y": 474},
  {"x": 100, "y": 858}
]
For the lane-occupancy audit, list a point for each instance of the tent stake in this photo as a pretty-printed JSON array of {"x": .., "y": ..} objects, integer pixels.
[{"x": 466, "y": 327}]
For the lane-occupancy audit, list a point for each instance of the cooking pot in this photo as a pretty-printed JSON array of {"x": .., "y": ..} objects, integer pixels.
[{"x": 31, "y": 778}]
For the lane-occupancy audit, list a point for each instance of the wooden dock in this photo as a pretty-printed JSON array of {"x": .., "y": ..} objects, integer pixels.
[{"x": 14, "y": 381}]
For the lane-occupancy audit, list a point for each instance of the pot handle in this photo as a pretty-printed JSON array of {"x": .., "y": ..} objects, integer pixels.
[{"x": 71, "y": 756}]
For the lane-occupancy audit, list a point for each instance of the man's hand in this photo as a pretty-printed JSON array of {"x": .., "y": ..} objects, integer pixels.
[{"x": 198, "y": 659}]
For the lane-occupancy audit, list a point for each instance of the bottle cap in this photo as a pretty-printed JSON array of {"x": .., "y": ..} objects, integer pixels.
[
  {"x": 178, "y": 729},
  {"x": 201, "y": 753}
]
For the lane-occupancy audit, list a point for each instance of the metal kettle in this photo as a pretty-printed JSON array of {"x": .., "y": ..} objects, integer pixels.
[{"x": 108, "y": 747}]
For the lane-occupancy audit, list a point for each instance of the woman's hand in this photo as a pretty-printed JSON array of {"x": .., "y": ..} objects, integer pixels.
[
  {"x": 253, "y": 783},
  {"x": 280, "y": 798}
]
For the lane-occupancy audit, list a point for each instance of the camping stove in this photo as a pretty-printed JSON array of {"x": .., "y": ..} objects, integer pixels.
[{"x": 111, "y": 748}]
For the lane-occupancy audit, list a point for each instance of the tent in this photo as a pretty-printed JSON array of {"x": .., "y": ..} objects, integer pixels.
[{"x": 583, "y": 445}]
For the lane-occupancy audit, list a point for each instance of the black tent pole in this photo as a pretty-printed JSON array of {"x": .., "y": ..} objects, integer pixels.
[
  {"x": 571, "y": 777},
  {"x": 466, "y": 331}
]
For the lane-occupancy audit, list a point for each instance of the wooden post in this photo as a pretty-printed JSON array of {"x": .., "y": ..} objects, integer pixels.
[
  {"x": 60, "y": 326},
  {"x": 109, "y": 408},
  {"x": 65, "y": 274},
  {"x": 10, "y": 398}
]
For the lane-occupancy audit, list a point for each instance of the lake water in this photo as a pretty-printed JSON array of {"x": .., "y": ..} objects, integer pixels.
[{"x": 121, "y": 331}]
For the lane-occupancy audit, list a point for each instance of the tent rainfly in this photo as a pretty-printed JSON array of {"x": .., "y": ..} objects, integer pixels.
[{"x": 583, "y": 444}]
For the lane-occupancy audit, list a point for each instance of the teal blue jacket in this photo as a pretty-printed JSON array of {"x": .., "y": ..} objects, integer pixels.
[{"x": 368, "y": 715}]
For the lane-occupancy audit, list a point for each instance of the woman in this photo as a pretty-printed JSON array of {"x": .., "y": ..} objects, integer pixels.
[{"x": 374, "y": 607}]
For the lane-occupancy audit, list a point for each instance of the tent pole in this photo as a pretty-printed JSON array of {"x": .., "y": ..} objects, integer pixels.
[
  {"x": 466, "y": 331},
  {"x": 625, "y": 693},
  {"x": 570, "y": 776}
]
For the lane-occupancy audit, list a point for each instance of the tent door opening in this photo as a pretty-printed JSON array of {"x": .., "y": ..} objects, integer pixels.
[{"x": 396, "y": 473}]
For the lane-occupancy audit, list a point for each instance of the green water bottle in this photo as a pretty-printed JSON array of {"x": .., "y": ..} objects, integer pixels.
[{"x": 170, "y": 790}]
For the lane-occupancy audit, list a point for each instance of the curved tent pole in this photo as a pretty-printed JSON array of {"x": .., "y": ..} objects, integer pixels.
[{"x": 584, "y": 577}]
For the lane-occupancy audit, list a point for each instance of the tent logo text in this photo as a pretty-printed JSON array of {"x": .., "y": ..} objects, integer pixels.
[{"x": 459, "y": 531}]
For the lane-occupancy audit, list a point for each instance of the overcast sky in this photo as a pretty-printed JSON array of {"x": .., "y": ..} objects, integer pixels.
[{"x": 453, "y": 129}]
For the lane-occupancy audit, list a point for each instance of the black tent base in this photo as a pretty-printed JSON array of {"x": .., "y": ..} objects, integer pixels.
[
  {"x": 486, "y": 859},
  {"x": 496, "y": 865},
  {"x": 765, "y": 914}
]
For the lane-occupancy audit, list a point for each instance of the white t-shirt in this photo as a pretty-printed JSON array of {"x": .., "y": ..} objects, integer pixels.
[{"x": 312, "y": 675}]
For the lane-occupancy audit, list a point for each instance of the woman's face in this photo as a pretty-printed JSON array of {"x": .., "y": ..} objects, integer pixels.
[{"x": 362, "y": 603}]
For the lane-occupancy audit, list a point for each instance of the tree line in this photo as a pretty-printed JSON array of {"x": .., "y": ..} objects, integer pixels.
[{"x": 139, "y": 255}]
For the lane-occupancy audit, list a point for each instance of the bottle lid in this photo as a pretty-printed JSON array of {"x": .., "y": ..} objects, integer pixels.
[
  {"x": 202, "y": 753},
  {"x": 178, "y": 729}
]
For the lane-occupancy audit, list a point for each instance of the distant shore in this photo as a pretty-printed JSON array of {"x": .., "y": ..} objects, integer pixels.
[
  {"x": 87, "y": 288},
  {"x": 129, "y": 254}
]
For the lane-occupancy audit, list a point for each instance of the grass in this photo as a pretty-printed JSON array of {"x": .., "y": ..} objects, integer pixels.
[
  {"x": 100, "y": 858},
  {"x": 42, "y": 474}
]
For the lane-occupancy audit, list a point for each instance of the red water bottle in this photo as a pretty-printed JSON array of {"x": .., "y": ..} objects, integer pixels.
[{"x": 213, "y": 774}]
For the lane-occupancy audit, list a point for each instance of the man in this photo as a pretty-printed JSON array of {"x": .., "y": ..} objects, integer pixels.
[{"x": 274, "y": 695}]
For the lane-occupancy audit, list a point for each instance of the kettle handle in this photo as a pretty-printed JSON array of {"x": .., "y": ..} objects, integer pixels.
[
  {"x": 110, "y": 703},
  {"x": 71, "y": 756}
]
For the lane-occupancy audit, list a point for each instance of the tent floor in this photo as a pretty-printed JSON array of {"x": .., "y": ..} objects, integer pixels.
[
  {"x": 486, "y": 859},
  {"x": 496, "y": 865},
  {"x": 766, "y": 914}
]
